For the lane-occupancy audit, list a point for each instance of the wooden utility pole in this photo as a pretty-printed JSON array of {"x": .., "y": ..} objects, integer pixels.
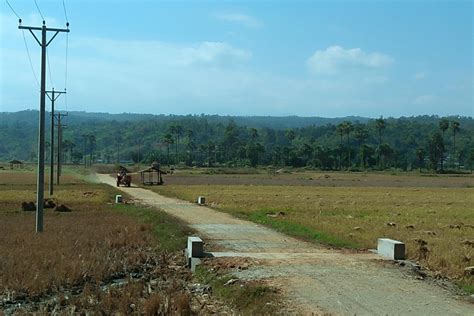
[
  {"x": 53, "y": 97},
  {"x": 60, "y": 145},
  {"x": 40, "y": 177}
]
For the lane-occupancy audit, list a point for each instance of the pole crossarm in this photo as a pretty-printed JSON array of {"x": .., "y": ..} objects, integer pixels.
[
  {"x": 47, "y": 29},
  {"x": 53, "y": 92}
]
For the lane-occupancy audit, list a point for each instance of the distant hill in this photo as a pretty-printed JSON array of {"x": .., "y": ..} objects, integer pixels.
[{"x": 275, "y": 122}]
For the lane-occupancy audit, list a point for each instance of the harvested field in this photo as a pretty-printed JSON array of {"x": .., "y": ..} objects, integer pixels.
[
  {"x": 99, "y": 258},
  {"x": 325, "y": 179},
  {"x": 436, "y": 223}
]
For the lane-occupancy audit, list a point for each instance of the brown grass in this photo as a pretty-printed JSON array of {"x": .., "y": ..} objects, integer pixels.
[
  {"x": 74, "y": 249},
  {"x": 357, "y": 216},
  {"x": 81, "y": 252}
]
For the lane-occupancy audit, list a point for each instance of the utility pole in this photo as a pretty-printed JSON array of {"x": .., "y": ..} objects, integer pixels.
[
  {"x": 60, "y": 146},
  {"x": 54, "y": 96},
  {"x": 40, "y": 177}
]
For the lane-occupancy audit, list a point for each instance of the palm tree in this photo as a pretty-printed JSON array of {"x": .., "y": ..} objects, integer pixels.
[
  {"x": 360, "y": 134},
  {"x": 436, "y": 149},
  {"x": 340, "y": 129},
  {"x": 455, "y": 128},
  {"x": 179, "y": 134},
  {"x": 380, "y": 126},
  {"x": 253, "y": 134},
  {"x": 168, "y": 141},
  {"x": 443, "y": 126},
  {"x": 348, "y": 128}
]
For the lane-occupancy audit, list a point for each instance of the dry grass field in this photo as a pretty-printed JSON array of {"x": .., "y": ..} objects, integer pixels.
[
  {"x": 82, "y": 256},
  {"x": 101, "y": 258},
  {"x": 433, "y": 215}
]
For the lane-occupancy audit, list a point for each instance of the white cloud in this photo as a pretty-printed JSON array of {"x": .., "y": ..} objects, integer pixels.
[
  {"x": 336, "y": 59},
  {"x": 239, "y": 18},
  {"x": 425, "y": 99},
  {"x": 420, "y": 75},
  {"x": 212, "y": 52}
]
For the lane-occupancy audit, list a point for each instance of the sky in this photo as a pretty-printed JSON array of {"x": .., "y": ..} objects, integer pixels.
[{"x": 306, "y": 58}]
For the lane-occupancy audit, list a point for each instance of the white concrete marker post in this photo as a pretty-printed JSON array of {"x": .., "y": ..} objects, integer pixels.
[
  {"x": 118, "y": 199},
  {"x": 201, "y": 200},
  {"x": 194, "y": 251},
  {"x": 390, "y": 248}
]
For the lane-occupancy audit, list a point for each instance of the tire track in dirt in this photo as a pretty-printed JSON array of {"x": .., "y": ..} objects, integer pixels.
[{"x": 312, "y": 278}]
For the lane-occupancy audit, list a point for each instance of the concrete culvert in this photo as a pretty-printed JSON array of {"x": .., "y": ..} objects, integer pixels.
[{"x": 62, "y": 208}]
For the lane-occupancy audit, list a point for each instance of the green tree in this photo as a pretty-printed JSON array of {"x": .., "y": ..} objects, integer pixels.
[
  {"x": 380, "y": 127},
  {"x": 420, "y": 154},
  {"x": 436, "y": 149},
  {"x": 168, "y": 141},
  {"x": 360, "y": 134},
  {"x": 385, "y": 154},
  {"x": 443, "y": 126},
  {"x": 366, "y": 153},
  {"x": 341, "y": 130},
  {"x": 290, "y": 134},
  {"x": 348, "y": 128},
  {"x": 455, "y": 128},
  {"x": 253, "y": 134},
  {"x": 254, "y": 150},
  {"x": 92, "y": 143}
]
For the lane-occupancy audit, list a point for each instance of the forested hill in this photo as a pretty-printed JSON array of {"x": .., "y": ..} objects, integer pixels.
[
  {"x": 328, "y": 143},
  {"x": 274, "y": 122}
]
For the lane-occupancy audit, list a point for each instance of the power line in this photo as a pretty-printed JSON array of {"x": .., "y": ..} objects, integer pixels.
[
  {"x": 49, "y": 69},
  {"x": 8, "y": 3},
  {"x": 39, "y": 11},
  {"x": 65, "y": 12},
  {"x": 29, "y": 58},
  {"x": 65, "y": 72}
]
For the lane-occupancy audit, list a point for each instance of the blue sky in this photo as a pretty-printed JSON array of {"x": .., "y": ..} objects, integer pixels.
[{"x": 308, "y": 58}]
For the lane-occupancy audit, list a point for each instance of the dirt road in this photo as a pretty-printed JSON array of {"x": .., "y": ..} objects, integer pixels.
[{"x": 313, "y": 279}]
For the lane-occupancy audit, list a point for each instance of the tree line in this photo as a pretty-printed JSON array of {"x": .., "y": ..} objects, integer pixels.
[{"x": 424, "y": 142}]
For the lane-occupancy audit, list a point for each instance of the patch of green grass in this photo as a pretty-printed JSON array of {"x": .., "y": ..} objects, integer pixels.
[
  {"x": 298, "y": 230},
  {"x": 247, "y": 298},
  {"x": 170, "y": 232},
  {"x": 468, "y": 288}
]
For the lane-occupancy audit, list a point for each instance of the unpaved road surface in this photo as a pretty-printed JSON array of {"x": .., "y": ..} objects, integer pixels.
[{"x": 313, "y": 279}]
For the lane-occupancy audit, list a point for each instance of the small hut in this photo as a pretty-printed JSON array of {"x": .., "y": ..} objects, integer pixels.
[
  {"x": 15, "y": 164},
  {"x": 152, "y": 175}
]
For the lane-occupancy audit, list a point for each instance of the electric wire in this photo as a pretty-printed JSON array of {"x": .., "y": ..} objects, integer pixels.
[
  {"x": 39, "y": 11},
  {"x": 49, "y": 70},
  {"x": 66, "y": 67},
  {"x": 65, "y": 12},
  {"x": 11, "y": 8},
  {"x": 29, "y": 58}
]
